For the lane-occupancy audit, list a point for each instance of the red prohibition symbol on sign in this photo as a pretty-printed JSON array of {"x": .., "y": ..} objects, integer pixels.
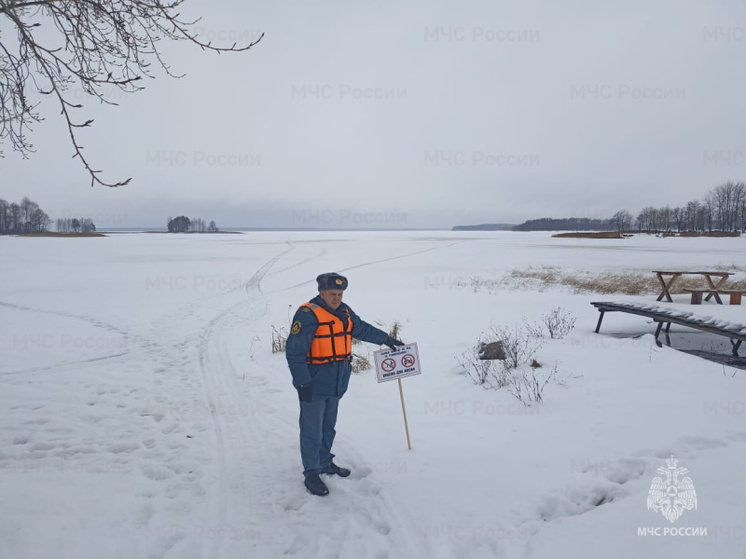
[
  {"x": 388, "y": 365},
  {"x": 407, "y": 360}
]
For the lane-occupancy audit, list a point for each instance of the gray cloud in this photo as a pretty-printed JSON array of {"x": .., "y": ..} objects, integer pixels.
[{"x": 470, "y": 112}]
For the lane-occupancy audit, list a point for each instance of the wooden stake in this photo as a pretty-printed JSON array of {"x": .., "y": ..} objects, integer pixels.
[{"x": 404, "y": 411}]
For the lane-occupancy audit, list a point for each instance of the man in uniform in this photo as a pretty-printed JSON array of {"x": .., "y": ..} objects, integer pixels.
[{"x": 319, "y": 352}]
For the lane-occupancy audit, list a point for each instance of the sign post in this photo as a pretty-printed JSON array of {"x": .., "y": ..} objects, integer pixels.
[
  {"x": 404, "y": 411},
  {"x": 404, "y": 361}
]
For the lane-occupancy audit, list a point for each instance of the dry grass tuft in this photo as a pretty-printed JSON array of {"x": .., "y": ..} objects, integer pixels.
[
  {"x": 593, "y": 235},
  {"x": 395, "y": 330},
  {"x": 731, "y": 268},
  {"x": 360, "y": 363},
  {"x": 279, "y": 339},
  {"x": 608, "y": 283}
]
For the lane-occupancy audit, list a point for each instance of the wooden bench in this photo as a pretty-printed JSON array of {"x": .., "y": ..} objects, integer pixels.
[
  {"x": 735, "y": 295},
  {"x": 734, "y": 333}
]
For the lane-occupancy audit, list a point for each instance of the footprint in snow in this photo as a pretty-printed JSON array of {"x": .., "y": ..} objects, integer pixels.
[
  {"x": 124, "y": 448},
  {"x": 41, "y": 447},
  {"x": 701, "y": 443},
  {"x": 156, "y": 473},
  {"x": 577, "y": 501},
  {"x": 173, "y": 428},
  {"x": 37, "y": 421}
]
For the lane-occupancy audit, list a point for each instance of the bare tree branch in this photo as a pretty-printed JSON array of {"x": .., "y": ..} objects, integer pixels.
[{"x": 102, "y": 44}]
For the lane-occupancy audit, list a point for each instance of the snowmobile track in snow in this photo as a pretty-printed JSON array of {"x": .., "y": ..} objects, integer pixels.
[{"x": 252, "y": 488}]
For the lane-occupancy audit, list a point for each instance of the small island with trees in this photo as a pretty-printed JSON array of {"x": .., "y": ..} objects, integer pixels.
[
  {"x": 28, "y": 219},
  {"x": 183, "y": 224}
]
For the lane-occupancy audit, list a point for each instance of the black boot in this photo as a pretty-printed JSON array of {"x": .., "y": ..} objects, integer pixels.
[
  {"x": 332, "y": 469},
  {"x": 316, "y": 486}
]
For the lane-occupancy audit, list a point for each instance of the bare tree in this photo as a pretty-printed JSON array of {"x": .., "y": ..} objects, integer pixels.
[
  {"x": 728, "y": 199},
  {"x": 95, "y": 45},
  {"x": 691, "y": 211},
  {"x": 708, "y": 212},
  {"x": 4, "y": 216},
  {"x": 646, "y": 219},
  {"x": 87, "y": 225},
  {"x": 16, "y": 223},
  {"x": 622, "y": 220},
  {"x": 197, "y": 224},
  {"x": 678, "y": 215},
  {"x": 39, "y": 221},
  {"x": 742, "y": 205},
  {"x": 28, "y": 207},
  {"x": 665, "y": 216}
]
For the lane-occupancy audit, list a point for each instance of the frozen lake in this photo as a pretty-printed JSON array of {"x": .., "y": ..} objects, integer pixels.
[{"x": 142, "y": 413}]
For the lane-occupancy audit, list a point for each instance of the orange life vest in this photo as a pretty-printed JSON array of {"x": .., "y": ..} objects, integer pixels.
[{"x": 331, "y": 342}]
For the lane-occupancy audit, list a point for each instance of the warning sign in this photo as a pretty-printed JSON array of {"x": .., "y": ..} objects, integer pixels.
[{"x": 404, "y": 361}]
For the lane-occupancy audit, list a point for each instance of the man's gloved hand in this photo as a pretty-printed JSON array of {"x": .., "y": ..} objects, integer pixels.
[
  {"x": 393, "y": 343},
  {"x": 305, "y": 392}
]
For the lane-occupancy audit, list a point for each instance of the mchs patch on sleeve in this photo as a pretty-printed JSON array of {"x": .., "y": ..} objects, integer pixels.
[{"x": 296, "y": 327}]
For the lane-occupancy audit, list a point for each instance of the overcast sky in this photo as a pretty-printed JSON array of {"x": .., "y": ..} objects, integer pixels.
[{"x": 413, "y": 114}]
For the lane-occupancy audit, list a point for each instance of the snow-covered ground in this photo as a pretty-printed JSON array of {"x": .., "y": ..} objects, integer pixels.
[{"x": 143, "y": 415}]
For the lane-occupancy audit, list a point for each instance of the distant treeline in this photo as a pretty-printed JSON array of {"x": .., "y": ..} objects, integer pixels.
[
  {"x": 485, "y": 227},
  {"x": 565, "y": 224},
  {"x": 722, "y": 209},
  {"x": 183, "y": 224},
  {"x": 26, "y": 217}
]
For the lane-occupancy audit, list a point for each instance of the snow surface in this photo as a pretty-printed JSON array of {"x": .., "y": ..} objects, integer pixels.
[{"x": 143, "y": 415}]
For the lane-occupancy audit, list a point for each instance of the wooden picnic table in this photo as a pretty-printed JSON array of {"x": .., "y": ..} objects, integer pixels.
[{"x": 674, "y": 275}]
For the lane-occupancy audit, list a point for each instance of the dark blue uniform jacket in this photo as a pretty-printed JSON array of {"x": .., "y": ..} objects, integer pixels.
[{"x": 328, "y": 379}]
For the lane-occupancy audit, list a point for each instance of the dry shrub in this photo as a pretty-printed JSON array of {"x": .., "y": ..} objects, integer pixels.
[
  {"x": 360, "y": 363},
  {"x": 558, "y": 323},
  {"x": 519, "y": 345},
  {"x": 480, "y": 371},
  {"x": 528, "y": 386}
]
